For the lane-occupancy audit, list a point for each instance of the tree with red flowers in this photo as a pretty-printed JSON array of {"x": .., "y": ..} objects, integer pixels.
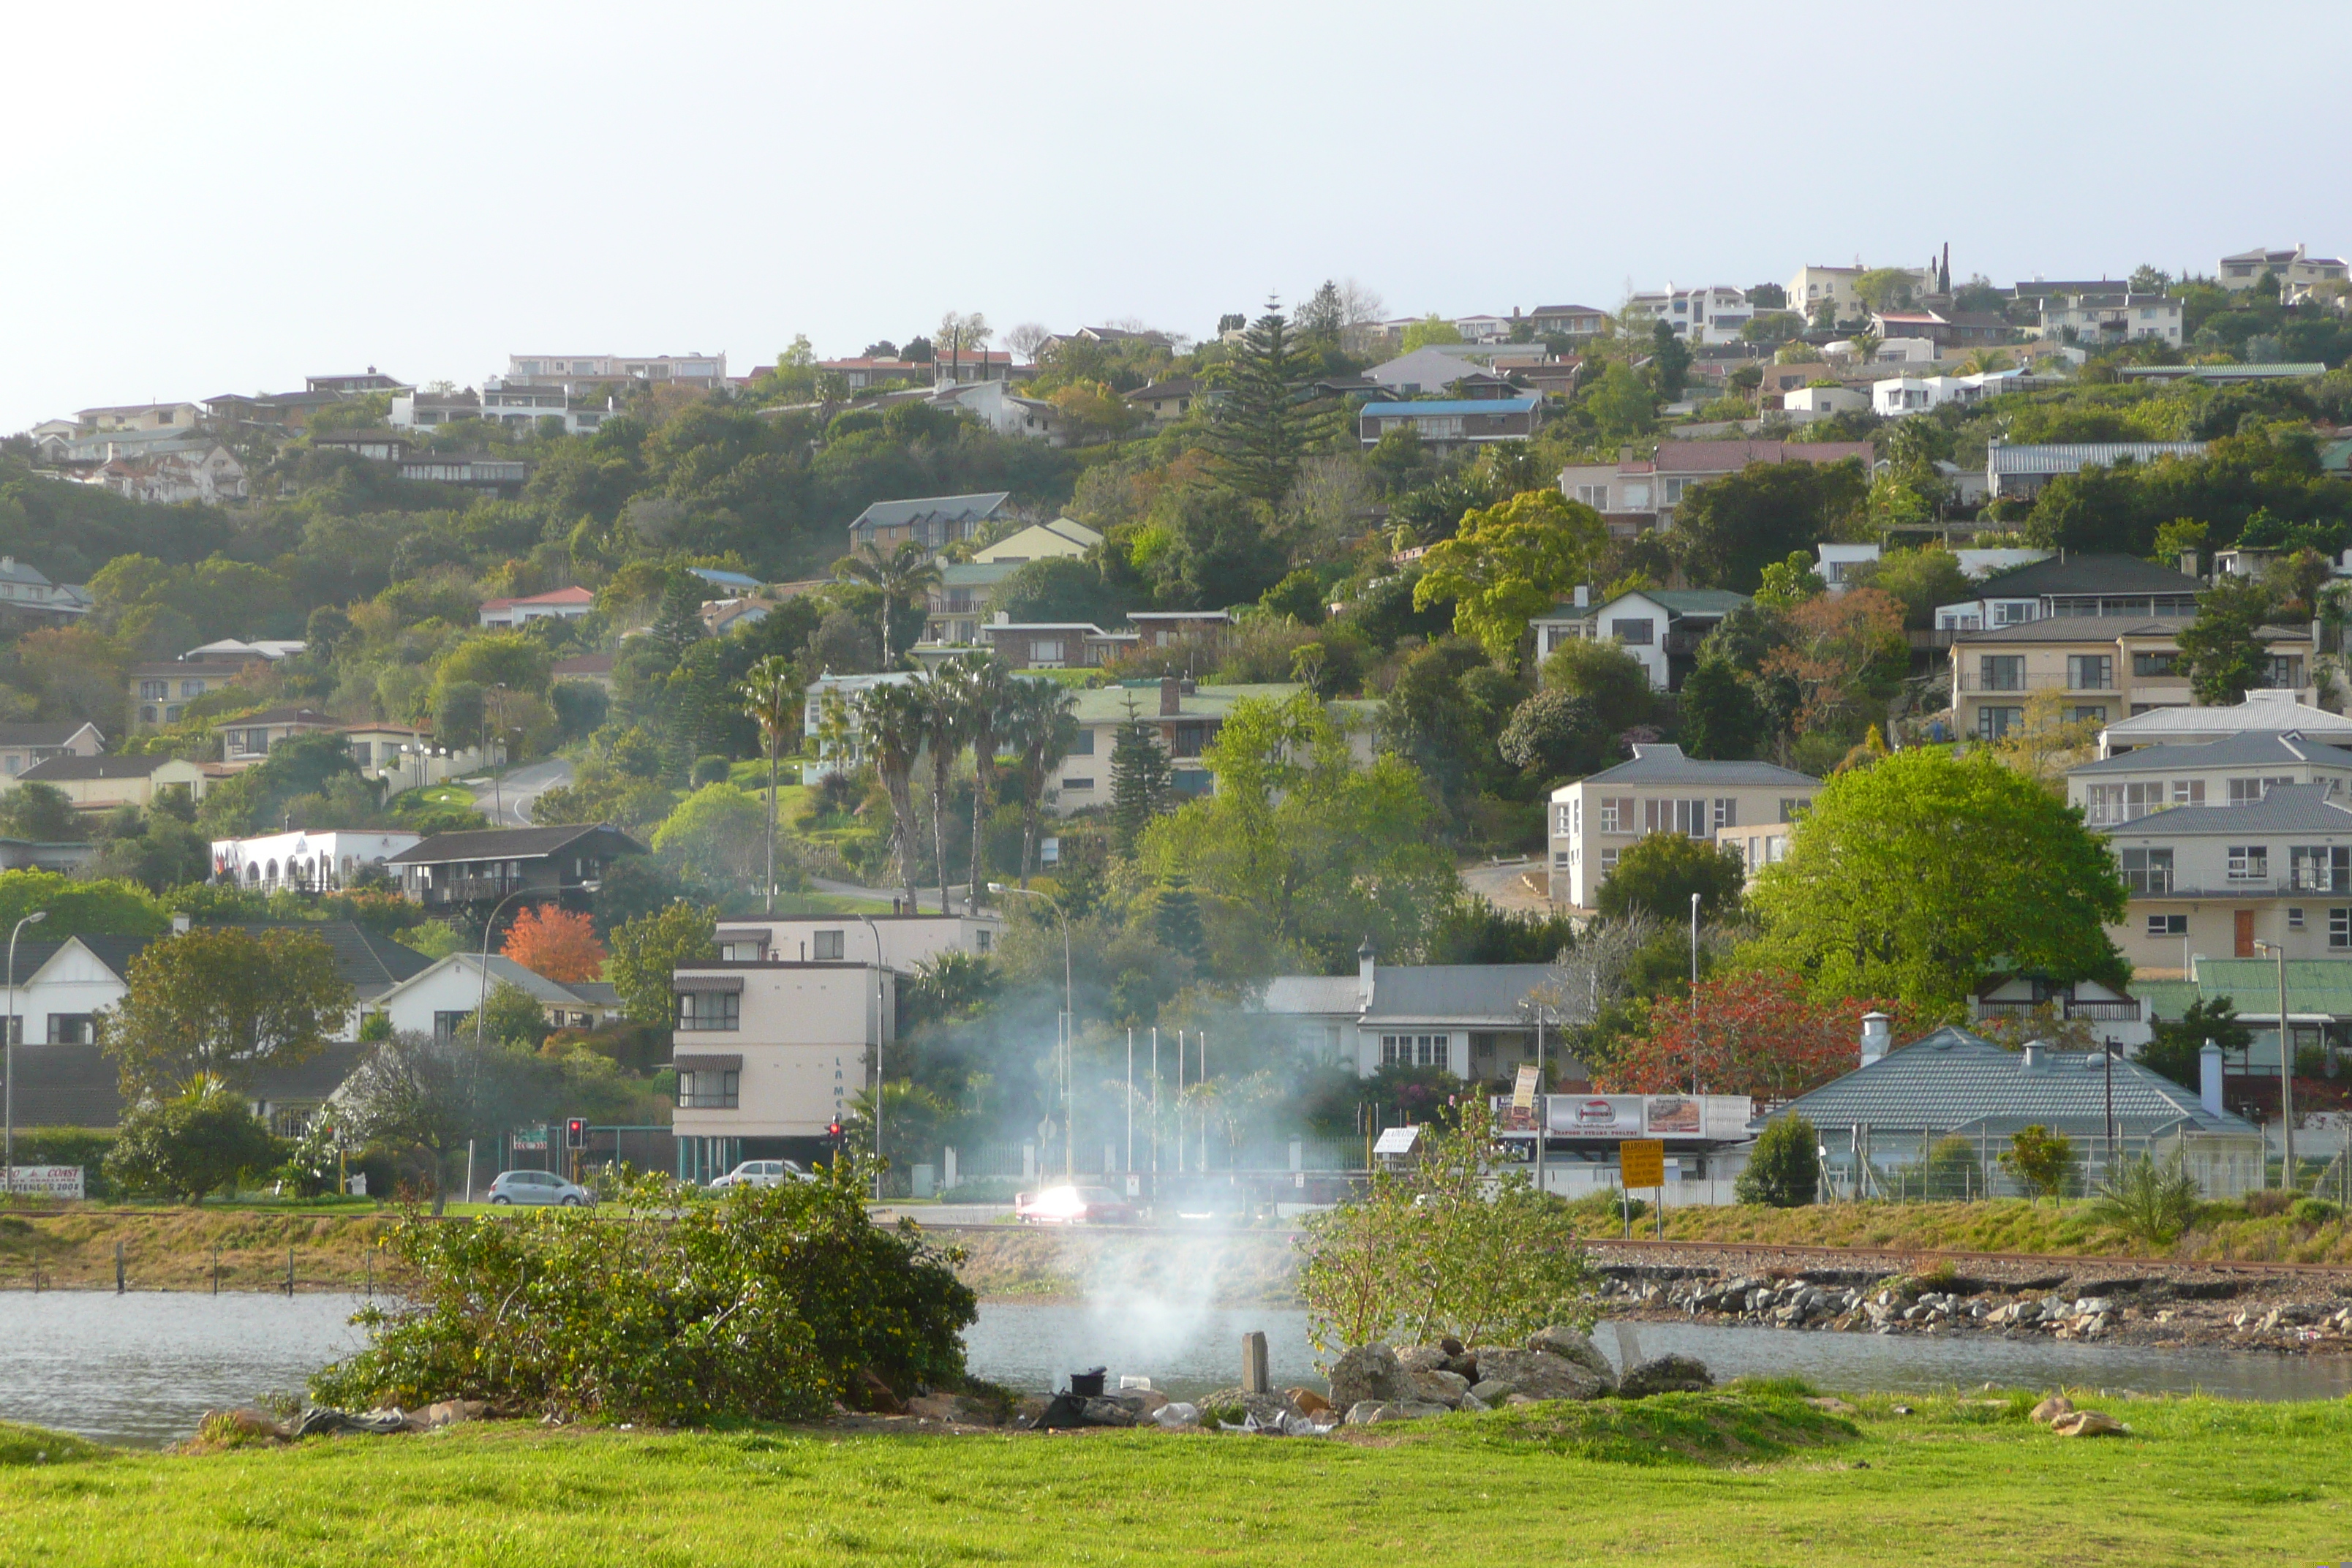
[
  {"x": 555, "y": 945},
  {"x": 1756, "y": 1033}
]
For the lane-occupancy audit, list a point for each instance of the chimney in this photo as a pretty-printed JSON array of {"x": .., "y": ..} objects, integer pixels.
[
  {"x": 1584, "y": 592},
  {"x": 1171, "y": 695},
  {"x": 179, "y": 923},
  {"x": 1365, "y": 965},
  {"x": 2030, "y": 1058},
  {"x": 1874, "y": 1036},
  {"x": 2209, "y": 1078}
]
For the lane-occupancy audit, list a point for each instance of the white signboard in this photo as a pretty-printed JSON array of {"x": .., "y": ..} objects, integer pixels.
[
  {"x": 1594, "y": 1115},
  {"x": 1396, "y": 1141},
  {"x": 47, "y": 1180}
]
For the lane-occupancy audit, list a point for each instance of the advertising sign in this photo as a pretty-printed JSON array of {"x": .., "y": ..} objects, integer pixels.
[
  {"x": 1642, "y": 1162},
  {"x": 47, "y": 1180},
  {"x": 1595, "y": 1115},
  {"x": 1523, "y": 1092},
  {"x": 1674, "y": 1113}
]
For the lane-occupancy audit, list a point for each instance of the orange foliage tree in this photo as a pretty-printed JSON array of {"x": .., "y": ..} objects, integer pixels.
[
  {"x": 555, "y": 943},
  {"x": 1839, "y": 644},
  {"x": 1755, "y": 1033}
]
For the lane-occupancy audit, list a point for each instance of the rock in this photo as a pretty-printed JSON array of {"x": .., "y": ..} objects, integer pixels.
[
  {"x": 2087, "y": 1424},
  {"x": 1419, "y": 1358},
  {"x": 2051, "y": 1409},
  {"x": 1472, "y": 1402},
  {"x": 1833, "y": 1405},
  {"x": 449, "y": 1412},
  {"x": 1306, "y": 1401},
  {"x": 1153, "y": 1400},
  {"x": 1416, "y": 1409},
  {"x": 1540, "y": 1375},
  {"x": 1571, "y": 1345},
  {"x": 1365, "y": 1412},
  {"x": 2093, "y": 1306},
  {"x": 1368, "y": 1373},
  {"x": 245, "y": 1421},
  {"x": 1444, "y": 1388},
  {"x": 1100, "y": 1412},
  {"x": 1494, "y": 1391},
  {"x": 1665, "y": 1375}
]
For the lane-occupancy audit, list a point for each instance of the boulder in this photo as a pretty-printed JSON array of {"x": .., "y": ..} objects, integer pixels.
[
  {"x": 1416, "y": 1409},
  {"x": 1266, "y": 1409},
  {"x": 1419, "y": 1358},
  {"x": 1306, "y": 1401},
  {"x": 1540, "y": 1375},
  {"x": 1566, "y": 1342},
  {"x": 1665, "y": 1375},
  {"x": 1365, "y": 1412},
  {"x": 2087, "y": 1424},
  {"x": 1100, "y": 1412},
  {"x": 1444, "y": 1388},
  {"x": 2051, "y": 1409},
  {"x": 1494, "y": 1391},
  {"x": 449, "y": 1412},
  {"x": 1369, "y": 1372}
]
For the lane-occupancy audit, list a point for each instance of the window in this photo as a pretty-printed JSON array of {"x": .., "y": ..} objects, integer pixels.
[
  {"x": 2090, "y": 671},
  {"x": 741, "y": 952},
  {"x": 708, "y": 1089},
  {"x": 1633, "y": 632},
  {"x": 2250, "y": 862},
  {"x": 154, "y": 690},
  {"x": 2189, "y": 792},
  {"x": 1044, "y": 650},
  {"x": 2015, "y": 613},
  {"x": 709, "y": 1010},
  {"x": 2285, "y": 671},
  {"x": 2167, "y": 925},
  {"x": 2250, "y": 792},
  {"x": 2321, "y": 868},
  {"x": 192, "y": 689},
  {"x": 1609, "y": 863},
  {"x": 1791, "y": 808},
  {"x": 1084, "y": 746},
  {"x": 1992, "y": 723},
  {"x": 2162, "y": 663},
  {"x": 826, "y": 946},
  {"x": 2094, "y": 713},
  {"x": 446, "y": 1024},
  {"x": 1594, "y": 496},
  {"x": 2000, "y": 672},
  {"x": 2147, "y": 871},
  {"x": 1691, "y": 818},
  {"x": 2293, "y": 919},
  {"x": 1727, "y": 812},
  {"x": 1075, "y": 784},
  {"x": 2339, "y": 929},
  {"x": 980, "y": 939},
  {"x": 1612, "y": 819},
  {"x": 1415, "y": 1050},
  {"x": 72, "y": 1029}
]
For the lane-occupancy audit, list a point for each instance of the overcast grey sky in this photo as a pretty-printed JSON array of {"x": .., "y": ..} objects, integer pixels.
[{"x": 206, "y": 199}]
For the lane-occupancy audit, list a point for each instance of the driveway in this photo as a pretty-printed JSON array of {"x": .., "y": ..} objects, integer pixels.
[
  {"x": 1515, "y": 885},
  {"x": 508, "y": 803}
]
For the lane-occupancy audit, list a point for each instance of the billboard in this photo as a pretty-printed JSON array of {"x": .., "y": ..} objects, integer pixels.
[
  {"x": 1594, "y": 1115},
  {"x": 1677, "y": 1113},
  {"x": 47, "y": 1180}
]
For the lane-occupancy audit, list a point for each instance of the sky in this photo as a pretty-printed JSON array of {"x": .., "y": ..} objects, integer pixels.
[{"x": 227, "y": 198}]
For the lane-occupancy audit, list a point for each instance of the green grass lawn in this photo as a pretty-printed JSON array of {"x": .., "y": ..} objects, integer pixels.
[
  {"x": 1712, "y": 1480},
  {"x": 439, "y": 794}
]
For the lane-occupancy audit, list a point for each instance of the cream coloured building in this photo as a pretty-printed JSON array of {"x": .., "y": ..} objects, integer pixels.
[{"x": 1596, "y": 820}]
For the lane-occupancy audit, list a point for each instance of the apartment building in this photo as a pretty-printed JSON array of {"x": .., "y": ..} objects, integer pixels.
[
  {"x": 770, "y": 1055},
  {"x": 932, "y": 521},
  {"x": 1710, "y": 315},
  {"x": 1812, "y": 285},
  {"x": 2045, "y": 588},
  {"x": 1596, "y": 820},
  {"x": 2214, "y": 880},
  {"x": 2238, "y": 769},
  {"x": 2100, "y": 670},
  {"x": 1633, "y": 495},
  {"x": 1661, "y": 627},
  {"x": 2297, "y": 270},
  {"x": 1448, "y": 425},
  {"x": 706, "y": 371},
  {"x": 2110, "y": 317}
]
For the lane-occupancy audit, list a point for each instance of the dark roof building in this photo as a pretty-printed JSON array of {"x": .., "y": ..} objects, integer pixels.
[
  {"x": 932, "y": 521},
  {"x": 487, "y": 865}
]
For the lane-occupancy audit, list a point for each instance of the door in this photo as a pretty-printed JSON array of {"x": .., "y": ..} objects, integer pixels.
[{"x": 2245, "y": 933}]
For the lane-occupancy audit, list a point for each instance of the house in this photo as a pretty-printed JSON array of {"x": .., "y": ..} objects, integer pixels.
[
  {"x": 376, "y": 446},
  {"x": 485, "y": 866},
  {"x": 205, "y": 475},
  {"x": 2318, "y": 1010},
  {"x": 595, "y": 669},
  {"x": 2236, "y": 769},
  {"x": 1569, "y": 321},
  {"x": 1710, "y": 315},
  {"x": 1111, "y": 336},
  {"x": 2102, "y": 669},
  {"x": 1596, "y": 820},
  {"x": 2273, "y": 866},
  {"x": 425, "y": 410},
  {"x": 2111, "y": 317},
  {"x": 1058, "y": 539},
  {"x": 1884, "y": 1115},
  {"x": 2273, "y": 711},
  {"x": 903, "y": 941},
  {"x": 720, "y": 616},
  {"x": 22, "y": 745},
  {"x": 932, "y": 521},
  {"x": 1823, "y": 401},
  {"x": 490, "y": 473},
  {"x": 1184, "y": 718},
  {"x": 732, "y": 581},
  {"x": 311, "y": 862},
  {"x": 1661, "y": 627},
  {"x": 960, "y": 603},
  {"x": 1476, "y": 1021},
  {"x": 355, "y": 385},
  {"x": 1841, "y": 563},
  {"x": 1453, "y": 422},
  {"x": 440, "y": 996},
  {"x": 266, "y": 650},
  {"x": 2223, "y": 375},
  {"x": 560, "y": 603},
  {"x": 246, "y": 741},
  {"x": 1051, "y": 645},
  {"x": 1166, "y": 402},
  {"x": 2092, "y": 586},
  {"x": 769, "y": 1056},
  {"x": 1638, "y": 495},
  {"x": 403, "y": 756},
  {"x": 160, "y": 692},
  {"x": 1162, "y": 628},
  {"x": 996, "y": 405},
  {"x": 281, "y": 413},
  {"x": 1900, "y": 394},
  {"x": 1814, "y": 285},
  {"x": 1780, "y": 380},
  {"x": 1429, "y": 371},
  {"x": 526, "y": 405},
  {"x": 135, "y": 417},
  {"x": 707, "y": 372},
  {"x": 2297, "y": 270},
  {"x": 101, "y": 784}
]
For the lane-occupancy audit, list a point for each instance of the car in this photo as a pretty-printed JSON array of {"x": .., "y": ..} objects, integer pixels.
[
  {"x": 538, "y": 1187},
  {"x": 760, "y": 1173},
  {"x": 1074, "y": 1205},
  {"x": 1197, "y": 1202}
]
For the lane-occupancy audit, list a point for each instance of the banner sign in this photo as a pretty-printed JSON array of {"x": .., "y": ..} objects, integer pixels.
[
  {"x": 47, "y": 1180},
  {"x": 1676, "y": 1113},
  {"x": 1523, "y": 1092},
  {"x": 1595, "y": 1116}
]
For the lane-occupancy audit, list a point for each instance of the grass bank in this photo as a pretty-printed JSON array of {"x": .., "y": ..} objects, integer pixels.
[
  {"x": 173, "y": 1248},
  {"x": 1692, "y": 1479},
  {"x": 2224, "y": 1231}
]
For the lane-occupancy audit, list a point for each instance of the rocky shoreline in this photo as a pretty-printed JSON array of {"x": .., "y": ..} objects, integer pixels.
[{"x": 2155, "y": 1305}]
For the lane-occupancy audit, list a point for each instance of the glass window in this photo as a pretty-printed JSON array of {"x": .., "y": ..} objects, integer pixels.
[
  {"x": 2167, "y": 925},
  {"x": 2147, "y": 871},
  {"x": 2339, "y": 928},
  {"x": 1075, "y": 785},
  {"x": 2250, "y": 862},
  {"x": 2322, "y": 868},
  {"x": 709, "y": 1091},
  {"x": 1084, "y": 746},
  {"x": 1992, "y": 723},
  {"x": 709, "y": 1010},
  {"x": 72, "y": 1029},
  {"x": 2000, "y": 672},
  {"x": 826, "y": 946},
  {"x": 2157, "y": 662},
  {"x": 1632, "y": 633}
]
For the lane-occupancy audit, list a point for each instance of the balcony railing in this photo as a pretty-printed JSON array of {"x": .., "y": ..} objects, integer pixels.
[
  {"x": 2123, "y": 1012},
  {"x": 2032, "y": 680},
  {"x": 2250, "y": 888}
]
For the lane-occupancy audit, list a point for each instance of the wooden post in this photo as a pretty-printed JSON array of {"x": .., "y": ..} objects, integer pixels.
[
  {"x": 289, "y": 1271},
  {"x": 215, "y": 1268},
  {"x": 1255, "y": 1376},
  {"x": 117, "y": 1268}
]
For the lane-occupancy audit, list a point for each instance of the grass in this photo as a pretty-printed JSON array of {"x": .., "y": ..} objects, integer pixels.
[
  {"x": 2222, "y": 1231},
  {"x": 439, "y": 794},
  {"x": 1745, "y": 1477}
]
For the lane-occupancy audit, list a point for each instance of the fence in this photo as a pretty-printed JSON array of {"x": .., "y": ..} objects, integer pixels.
[{"x": 1037, "y": 1161}]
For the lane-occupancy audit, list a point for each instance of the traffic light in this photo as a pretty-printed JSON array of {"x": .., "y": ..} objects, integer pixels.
[
  {"x": 575, "y": 1132},
  {"x": 833, "y": 1132}
]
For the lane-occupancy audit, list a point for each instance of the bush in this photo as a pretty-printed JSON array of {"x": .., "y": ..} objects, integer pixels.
[
  {"x": 2042, "y": 1160},
  {"x": 768, "y": 1303},
  {"x": 2268, "y": 1202},
  {"x": 187, "y": 1147},
  {"x": 1785, "y": 1171},
  {"x": 2317, "y": 1211},
  {"x": 711, "y": 770},
  {"x": 69, "y": 1146},
  {"x": 2151, "y": 1203}
]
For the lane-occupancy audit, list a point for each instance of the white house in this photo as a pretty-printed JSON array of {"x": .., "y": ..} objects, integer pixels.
[
  {"x": 1661, "y": 627},
  {"x": 1839, "y": 562},
  {"x": 1596, "y": 820},
  {"x": 1710, "y": 315},
  {"x": 2217, "y": 879},
  {"x": 900, "y": 942},
  {"x": 2264, "y": 711},
  {"x": 1473, "y": 1020},
  {"x": 2083, "y": 586},
  {"x": 439, "y": 999},
  {"x": 1901, "y": 394},
  {"x": 2121, "y": 316},
  {"x": 562, "y": 604},
  {"x": 996, "y": 405},
  {"x": 1823, "y": 401},
  {"x": 318, "y": 861},
  {"x": 2022, "y": 470}
]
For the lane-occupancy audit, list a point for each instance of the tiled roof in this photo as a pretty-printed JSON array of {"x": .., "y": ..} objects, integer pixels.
[
  {"x": 2255, "y": 748},
  {"x": 960, "y": 509},
  {"x": 371, "y": 962},
  {"x": 1953, "y": 1079},
  {"x": 2078, "y": 629},
  {"x": 55, "y": 734},
  {"x": 1666, "y": 765},
  {"x": 1312, "y": 994},
  {"x": 2286, "y": 808},
  {"x": 311, "y": 717},
  {"x": 503, "y": 843},
  {"x": 2080, "y": 574},
  {"x": 58, "y": 769},
  {"x": 1455, "y": 993},
  {"x": 2257, "y": 712}
]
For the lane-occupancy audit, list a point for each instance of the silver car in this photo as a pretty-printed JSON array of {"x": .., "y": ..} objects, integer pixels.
[
  {"x": 760, "y": 1173},
  {"x": 538, "y": 1187}
]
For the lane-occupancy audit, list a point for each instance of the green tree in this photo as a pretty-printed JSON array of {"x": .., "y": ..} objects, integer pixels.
[
  {"x": 1621, "y": 404},
  {"x": 1720, "y": 719},
  {"x": 194, "y": 1143},
  {"x": 902, "y": 577},
  {"x": 1606, "y": 676},
  {"x": 1555, "y": 734},
  {"x": 988, "y": 709},
  {"x": 1658, "y": 875},
  {"x": 647, "y": 949},
  {"x": 1258, "y": 430},
  {"x": 891, "y": 723},
  {"x": 42, "y": 813},
  {"x": 771, "y": 697},
  {"x": 945, "y": 725},
  {"x": 1138, "y": 780},
  {"x": 2043, "y": 1161},
  {"x": 1883, "y": 289},
  {"x": 1728, "y": 529},
  {"x": 714, "y": 835},
  {"x": 1040, "y": 726},
  {"x": 1431, "y": 329},
  {"x": 1670, "y": 358},
  {"x": 1298, "y": 595},
  {"x": 2222, "y": 649},
  {"x": 1785, "y": 1170},
  {"x": 2149, "y": 1202},
  {"x": 220, "y": 1005},
  {"x": 435, "y": 1093},
  {"x": 1920, "y": 579},
  {"x": 2177, "y": 1047},
  {"x": 1785, "y": 584},
  {"x": 1509, "y": 564},
  {"x": 1914, "y": 878}
]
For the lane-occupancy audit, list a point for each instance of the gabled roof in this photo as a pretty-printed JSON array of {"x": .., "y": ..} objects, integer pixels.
[
  {"x": 2253, "y": 748},
  {"x": 371, "y": 961},
  {"x": 503, "y": 971},
  {"x": 1182, "y": 386},
  {"x": 2121, "y": 574},
  {"x": 1313, "y": 993},
  {"x": 2286, "y": 808},
  {"x": 975, "y": 507},
  {"x": 554, "y": 597},
  {"x": 58, "y": 770},
  {"x": 2074, "y": 457},
  {"x": 722, "y": 578},
  {"x": 2275, "y": 713},
  {"x": 55, "y": 734},
  {"x": 1454, "y": 992},
  {"x": 1664, "y": 764},
  {"x": 504, "y": 844}
]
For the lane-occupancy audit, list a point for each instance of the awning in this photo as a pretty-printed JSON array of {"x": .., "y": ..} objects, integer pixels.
[
  {"x": 740, "y": 934},
  {"x": 708, "y": 1064},
  {"x": 703, "y": 983}
]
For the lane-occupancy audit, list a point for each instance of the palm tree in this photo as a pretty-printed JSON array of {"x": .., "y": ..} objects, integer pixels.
[
  {"x": 988, "y": 699},
  {"x": 941, "y": 692},
  {"x": 905, "y": 572},
  {"x": 1984, "y": 362},
  {"x": 890, "y": 724},
  {"x": 772, "y": 698},
  {"x": 1041, "y": 725},
  {"x": 1865, "y": 344}
]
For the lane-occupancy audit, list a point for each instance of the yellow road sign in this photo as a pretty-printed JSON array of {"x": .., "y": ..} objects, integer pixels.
[{"x": 1642, "y": 1162}]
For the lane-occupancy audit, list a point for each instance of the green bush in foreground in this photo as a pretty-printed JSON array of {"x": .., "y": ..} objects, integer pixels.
[
  {"x": 769, "y": 1303},
  {"x": 2152, "y": 1204},
  {"x": 1785, "y": 1171}
]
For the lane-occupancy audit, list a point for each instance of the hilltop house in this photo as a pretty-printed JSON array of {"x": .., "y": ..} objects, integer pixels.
[
  {"x": 483, "y": 865},
  {"x": 932, "y": 521},
  {"x": 1661, "y": 627},
  {"x": 1596, "y": 820}
]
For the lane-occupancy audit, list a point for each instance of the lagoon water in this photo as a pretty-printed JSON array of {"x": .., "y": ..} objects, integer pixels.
[{"x": 140, "y": 1368}]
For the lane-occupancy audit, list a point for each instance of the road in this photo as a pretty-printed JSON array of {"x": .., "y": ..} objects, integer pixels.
[
  {"x": 508, "y": 805},
  {"x": 1506, "y": 887}
]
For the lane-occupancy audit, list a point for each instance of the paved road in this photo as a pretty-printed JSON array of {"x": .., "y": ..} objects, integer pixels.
[
  {"x": 508, "y": 805},
  {"x": 1507, "y": 887}
]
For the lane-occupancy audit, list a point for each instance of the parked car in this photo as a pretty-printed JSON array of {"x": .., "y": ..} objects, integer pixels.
[
  {"x": 538, "y": 1187},
  {"x": 1074, "y": 1205},
  {"x": 760, "y": 1173},
  {"x": 1208, "y": 1202}
]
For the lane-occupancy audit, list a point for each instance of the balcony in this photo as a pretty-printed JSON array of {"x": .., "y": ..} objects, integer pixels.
[
  {"x": 2123, "y": 1012},
  {"x": 1974, "y": 680},
  {"x": 2233, "y": 889}
]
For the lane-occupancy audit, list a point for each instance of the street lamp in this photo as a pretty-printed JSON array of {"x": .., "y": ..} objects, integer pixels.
[
  {"x": 1069, "y": 1089},
  {"x": 2286, "y": 1071},
  {"x": 9, "y": 1156},
  {"x": 877, "y": 989}
]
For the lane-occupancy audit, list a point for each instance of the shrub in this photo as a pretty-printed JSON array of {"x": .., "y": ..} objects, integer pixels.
[
  {"x": 2317, "y": 1211},
  {"x": 189, "y": 1146},
  {"x": 768, "y": 1303},
  {"x": 2149, "y": 1201},
  {"x": 1785, "y": 1171},
  {"x": 2044, "y": 1161},
  {"x": 2267, "y": 1203},
  {"x": 711, "y": 770}
]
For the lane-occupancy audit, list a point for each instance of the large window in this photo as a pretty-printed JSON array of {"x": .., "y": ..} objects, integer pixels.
[
  {"x": 825, "y": 947},
  {"x": 1637, "y": 633},
  {"x": 1415, "y": 1050},
  {"x": 2147, "y": 871},
  {"x": 700, "y": 1010},
  {"x": 1691, "y": 818},
  {"x": 708, "y": 1089},
  {"x": 2322, "y": 868},
  {"x": 2167, "y": 925},
  {"x": 1993, "y": 723},
  {"x": 2161, "y": 663},
  {"x": 2339, "y": 929},
  {"x": 72, "y": 1029},
  {"x": 2250, "y": 863},
  {"x": 2090, "y": 671},
  {"x": 2105, "y": 805},
  {"x": 2000, "y": 672},
  {"x": 2250, "y": 792}
]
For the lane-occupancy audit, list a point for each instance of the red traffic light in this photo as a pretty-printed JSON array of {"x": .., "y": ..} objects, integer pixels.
[
  {"x": 834, "y": 1130},
  {"x": 575, "y": 1132}
]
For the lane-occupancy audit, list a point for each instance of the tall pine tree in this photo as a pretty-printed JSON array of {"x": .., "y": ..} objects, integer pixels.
[
  {"x": 1138, "y": 780},
  {"x": 1260, "y": 429}
]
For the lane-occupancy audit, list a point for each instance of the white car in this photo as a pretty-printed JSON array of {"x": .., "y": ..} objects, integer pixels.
[
  {"x": 761, "y": 1174},
  {"x": 538, "y": 1187}
]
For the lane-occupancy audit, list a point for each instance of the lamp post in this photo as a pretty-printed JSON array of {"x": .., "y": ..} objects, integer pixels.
[
  {"x": 1070, "y": 1090},
  {"x": 2286, "y": 1071},
  {"x": 9, "y": 1156},
  {"x": 490, "y": 926},
  {"x": 876, "y": 935}
]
